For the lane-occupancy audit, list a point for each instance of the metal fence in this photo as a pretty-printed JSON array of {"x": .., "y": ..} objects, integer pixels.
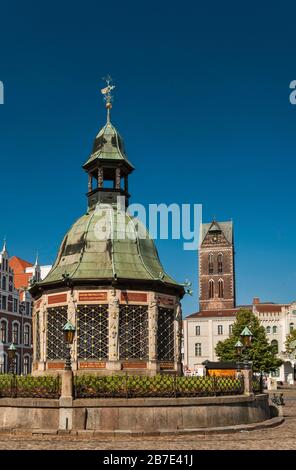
[
  {"x": 15, "y": 386},
  {"x": 87, "y": 386}
]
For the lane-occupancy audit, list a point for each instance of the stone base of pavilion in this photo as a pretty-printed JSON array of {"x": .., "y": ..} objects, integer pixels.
[
  {"x": 137, "y": 416},
  {"x": 98, "y": 368}
]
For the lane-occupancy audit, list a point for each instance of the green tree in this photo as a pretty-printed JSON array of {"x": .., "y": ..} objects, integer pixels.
[
  {"x": 261, "y": 353},
  {"x": 291, "y": 342}
]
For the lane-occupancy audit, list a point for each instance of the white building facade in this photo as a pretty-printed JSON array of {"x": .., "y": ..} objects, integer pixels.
[{"x": 203, "y": 330}]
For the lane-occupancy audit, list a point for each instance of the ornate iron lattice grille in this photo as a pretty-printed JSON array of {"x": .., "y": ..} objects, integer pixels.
[
  {"x": 92, "y": 332},
  {"x": 37, "y": 337},
  {"x": 165, "y": 334},
  {"x": 133, "y": 332},
  {"x": 56, "y": 346}
]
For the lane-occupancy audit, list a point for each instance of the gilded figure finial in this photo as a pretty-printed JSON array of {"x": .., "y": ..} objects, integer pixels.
[{"x": 106, "y": 91}]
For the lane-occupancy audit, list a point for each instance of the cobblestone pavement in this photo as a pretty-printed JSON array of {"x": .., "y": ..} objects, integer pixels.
[{"x": 282, "y": 437}]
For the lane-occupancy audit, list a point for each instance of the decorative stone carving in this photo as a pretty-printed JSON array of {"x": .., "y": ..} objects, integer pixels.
[
  {"x": 178, "y": 332},
  {"x": 113, "y": 325},
  {"x": 100, "y": 177},
  {"x": 117, "y": 182},
  {"x": 152, "y": 319}
]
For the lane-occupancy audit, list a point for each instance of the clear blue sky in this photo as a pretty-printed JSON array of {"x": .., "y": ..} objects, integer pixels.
[{"x": 202, "y": 101}]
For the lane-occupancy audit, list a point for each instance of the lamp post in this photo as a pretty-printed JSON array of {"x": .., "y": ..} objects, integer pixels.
[
  {"x": 239, "y": 348},
  {"x": 11, "y": 356},
  {"x": 246, "y": 339},
  {"x": 69, "y": 331}
]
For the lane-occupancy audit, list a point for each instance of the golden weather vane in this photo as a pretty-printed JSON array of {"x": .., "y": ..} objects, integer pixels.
[{"x": 108, "y": 98}]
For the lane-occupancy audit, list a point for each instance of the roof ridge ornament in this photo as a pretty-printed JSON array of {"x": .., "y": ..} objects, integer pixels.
[{"x": 108, "y": 97}]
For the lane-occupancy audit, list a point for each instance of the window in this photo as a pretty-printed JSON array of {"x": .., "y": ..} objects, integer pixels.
[
  {"x": 3, "y": 363},
  {"x": 211, "y": 289},
  {"x": 220, "y": 329},
  {"x": 15, "y": 333},
  {"x": 4, "y": 283},
  {"x": 220, "y": 263},
  {"x": 275, "y": 346},
  {"x": 230, "y": 329},
  {"x": 211, "y": 263},
  {"x": 274, "y": 330},
  {"x": 27, "y": 335},
  {"x": 268, "y": 329},
  {"x": 221, "y": 288},
  {"x": 27, "y": 308},
  {"x": 3, "y": 331},
  {"x": 4, "y": 302},
  {"x": 15, "y": 305},
  {"x": 10, "y": 287},
  {"x": 291, "y": 327},
  {"x": 197, "y": 349},
  {"x": 197, "y": 330},
  {"x": 275, "y": 373},
  {"x": 26, "y": 366}
]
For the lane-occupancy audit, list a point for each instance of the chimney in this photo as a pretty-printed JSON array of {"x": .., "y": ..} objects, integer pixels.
[{"x": 256, "y": 301}]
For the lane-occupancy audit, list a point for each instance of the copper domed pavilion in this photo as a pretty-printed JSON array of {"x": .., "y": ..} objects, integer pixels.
[{"x": 108, "y": 281}]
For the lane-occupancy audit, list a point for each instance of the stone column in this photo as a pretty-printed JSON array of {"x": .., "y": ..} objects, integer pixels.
[
  {"x": 117, "y": 178},
  {"x": 113, "y": 315},
  {"x": 152, "y": 331},
  {"x": 89, "y": 185},
  {"x": 72, "y": 314},
  {"x": 66, "y": 401},
  {"x": 100, "y": 177},
  {"x": 247, "y": 372},
  {"x": 178, "y": 337},
  {"x": 42, "y": 320}
]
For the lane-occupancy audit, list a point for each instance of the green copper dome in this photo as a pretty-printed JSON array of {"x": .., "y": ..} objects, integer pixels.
[
  {"x": 123, "y": 254},
  {"x": 107, "y": 245}
]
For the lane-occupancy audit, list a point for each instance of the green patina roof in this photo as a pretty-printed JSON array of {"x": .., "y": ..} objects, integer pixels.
[
  {"x": 108, "y": 145},
  {"x": 84, "y": 256}
]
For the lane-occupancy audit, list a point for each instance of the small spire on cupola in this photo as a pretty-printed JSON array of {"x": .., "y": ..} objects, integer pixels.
[
  {"x": 108, "y": 98},
  {"x": 4, "y": 246},
  {"x": 37, "y": 259}
]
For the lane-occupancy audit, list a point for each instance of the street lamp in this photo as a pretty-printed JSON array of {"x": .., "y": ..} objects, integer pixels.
[
  {"x": 239, "y": 349},
  {"x": 69, "y": 331},
  {"x": 11, "y": 356},
  {"x": 246, "y": 337}
]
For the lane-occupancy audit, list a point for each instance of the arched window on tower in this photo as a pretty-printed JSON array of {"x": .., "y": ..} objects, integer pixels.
[
  {"x": 220, "y": 263},
  {"x": 211, "y": 263},
  {"x": 221, "y": 288},
  {"x": 211, "y": 289}
]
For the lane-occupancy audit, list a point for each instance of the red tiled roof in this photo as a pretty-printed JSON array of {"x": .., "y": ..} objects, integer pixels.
[
  {"x": 226, "y": 312},
  {"x": 21, "y": 278},
  {"x": 261, "y": 308},
  {"x": 19, "y": 265}
]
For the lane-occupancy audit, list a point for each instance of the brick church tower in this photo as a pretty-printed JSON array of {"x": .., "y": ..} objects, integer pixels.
[{"x": 216, "y": 266}]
